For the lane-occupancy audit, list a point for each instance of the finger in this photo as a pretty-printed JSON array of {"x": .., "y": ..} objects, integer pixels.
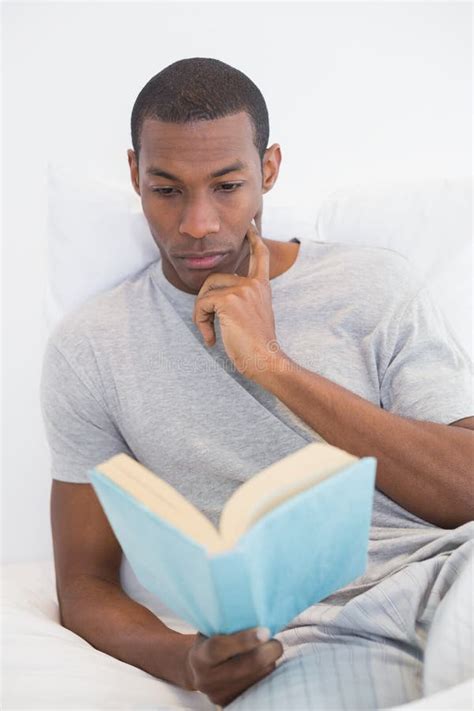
[
  {"x": 205, "y": 309},
  {"x": 259, "y": 265},
  {"x": 251, "y": 662},
  {"x": 218, "y": 281},
  {"x": 223, "y": 646},
  {"x": 203, "y": 318}
]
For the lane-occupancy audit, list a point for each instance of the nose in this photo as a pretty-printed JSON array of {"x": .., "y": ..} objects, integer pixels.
[{"x": 199, "y": 220}]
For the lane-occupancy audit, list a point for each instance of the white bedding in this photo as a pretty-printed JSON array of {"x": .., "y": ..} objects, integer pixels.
[{"x": 46, "y": 666}]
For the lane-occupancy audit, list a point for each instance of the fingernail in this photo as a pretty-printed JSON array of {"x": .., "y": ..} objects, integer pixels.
[{"x": 262, "y": 634}]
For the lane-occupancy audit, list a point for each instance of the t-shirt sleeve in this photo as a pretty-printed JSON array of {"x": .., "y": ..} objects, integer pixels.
[
  {"x": 429, "y": 376},
  {"x": 80, "y": 430}
]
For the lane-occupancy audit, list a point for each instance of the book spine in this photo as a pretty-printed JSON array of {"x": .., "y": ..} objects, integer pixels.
[{"x": 233, "y": 592}]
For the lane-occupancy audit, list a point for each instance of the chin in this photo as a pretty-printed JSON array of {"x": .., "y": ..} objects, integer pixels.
[{"x": 193, "y": 280}]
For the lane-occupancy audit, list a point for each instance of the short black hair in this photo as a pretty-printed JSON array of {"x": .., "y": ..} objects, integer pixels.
[{"x": 200, "y": 88}]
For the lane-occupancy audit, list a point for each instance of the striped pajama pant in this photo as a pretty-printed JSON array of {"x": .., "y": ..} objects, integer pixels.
[{"x": 408, "y": 636}]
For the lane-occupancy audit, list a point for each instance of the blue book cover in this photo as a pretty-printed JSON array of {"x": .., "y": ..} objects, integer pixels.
[{"x": 297, "y": 553}]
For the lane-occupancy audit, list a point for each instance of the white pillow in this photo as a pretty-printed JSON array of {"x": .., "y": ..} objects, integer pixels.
[
  {"x": 429, "y": 222},
  {"x": 97, "y": 236}
]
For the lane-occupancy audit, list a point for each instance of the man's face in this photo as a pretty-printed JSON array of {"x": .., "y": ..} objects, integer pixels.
[{"x": 190, "y": 211}]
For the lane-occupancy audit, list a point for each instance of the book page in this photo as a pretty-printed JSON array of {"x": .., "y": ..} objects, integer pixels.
[
  {"x": 160, "y": 497},
  {"x": 277, "y": 483}
]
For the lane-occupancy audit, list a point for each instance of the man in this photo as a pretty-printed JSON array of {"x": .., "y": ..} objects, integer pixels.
[{"x": 230, "y": 352}]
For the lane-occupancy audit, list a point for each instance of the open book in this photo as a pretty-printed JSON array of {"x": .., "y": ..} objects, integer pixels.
[{"x": 288, "y": 537}]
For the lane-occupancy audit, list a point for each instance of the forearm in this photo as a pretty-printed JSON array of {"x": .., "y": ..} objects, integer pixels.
[
  {"x": 100, "y": 612},
  {"x": 424, "y": 466}
]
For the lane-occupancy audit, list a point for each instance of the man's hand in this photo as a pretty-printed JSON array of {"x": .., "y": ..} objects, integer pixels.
[
  {"x": 223, "y": 666},
  {"x": 244, "y": 308}
]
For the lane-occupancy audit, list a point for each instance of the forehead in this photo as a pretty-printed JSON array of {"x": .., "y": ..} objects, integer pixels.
[{"x": 198, "y": 145}]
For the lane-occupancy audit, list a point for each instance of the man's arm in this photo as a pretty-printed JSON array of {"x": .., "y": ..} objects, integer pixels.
[
  {"x": 92, "y": 603},
  {"x": 425, "y": 467},
  {"x": 101, "y": 613}
]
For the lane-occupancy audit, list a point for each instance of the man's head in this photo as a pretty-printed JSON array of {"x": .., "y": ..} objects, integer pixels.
[{"x": 191, "y": 121}]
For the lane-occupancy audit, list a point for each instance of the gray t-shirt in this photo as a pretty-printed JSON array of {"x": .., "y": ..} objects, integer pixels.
[{"x": 128, "y": 372}]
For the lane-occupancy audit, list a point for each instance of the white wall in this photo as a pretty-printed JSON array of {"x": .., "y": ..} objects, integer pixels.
[{"x": 357, "y": 92}]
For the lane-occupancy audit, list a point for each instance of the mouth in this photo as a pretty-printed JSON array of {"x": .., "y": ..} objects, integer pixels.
[{"x": 206, "y": 262}]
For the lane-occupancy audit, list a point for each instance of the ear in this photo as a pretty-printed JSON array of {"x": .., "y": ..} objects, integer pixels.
[
  {"x": 133, "y": 164},
  {"x": 271, "y": 167}
]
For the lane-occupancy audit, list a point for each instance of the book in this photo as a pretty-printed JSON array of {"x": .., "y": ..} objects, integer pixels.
[{"x": 288, "y": 537}]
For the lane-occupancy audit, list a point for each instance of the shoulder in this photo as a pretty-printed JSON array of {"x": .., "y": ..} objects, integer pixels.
[
  {"x": 363, "y": 287},
  {"x": 94, "y": 323},
  {"x": 367, "y": 271}
]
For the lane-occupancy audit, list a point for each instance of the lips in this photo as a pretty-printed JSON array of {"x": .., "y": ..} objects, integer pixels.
[{"x": 206, "y": 262}]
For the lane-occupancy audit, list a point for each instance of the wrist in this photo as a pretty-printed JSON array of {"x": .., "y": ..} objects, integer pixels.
[
  {"x": 170, "y": 660},
  {"x": 186, "y": 680},
  {"x": 271, "y": 365}
]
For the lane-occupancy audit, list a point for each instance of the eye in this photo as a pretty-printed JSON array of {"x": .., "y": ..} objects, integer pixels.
[
  {"x": 231, "y": 185},
  {"x": 226, "y": 188},
  {"x": 162, "y": 191}
]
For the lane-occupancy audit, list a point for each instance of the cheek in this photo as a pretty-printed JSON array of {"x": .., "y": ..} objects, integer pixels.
[
  {"x": 159, "y": 219},
  {"x": 150, "y": 207}
]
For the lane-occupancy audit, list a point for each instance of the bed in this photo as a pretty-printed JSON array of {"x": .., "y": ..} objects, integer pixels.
[{"x": 46, "y": 666}]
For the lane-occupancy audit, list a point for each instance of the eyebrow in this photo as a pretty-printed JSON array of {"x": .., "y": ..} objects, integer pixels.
[{"x": 238, "y": 165}]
